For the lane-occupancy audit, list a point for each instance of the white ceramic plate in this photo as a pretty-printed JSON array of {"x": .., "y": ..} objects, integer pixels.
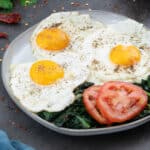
[{"x": 19, "y": 51}]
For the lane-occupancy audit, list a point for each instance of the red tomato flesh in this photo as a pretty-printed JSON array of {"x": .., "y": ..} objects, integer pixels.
[
  {"x": 120, "y": 101},
  {"x": 89, "y": 99}
]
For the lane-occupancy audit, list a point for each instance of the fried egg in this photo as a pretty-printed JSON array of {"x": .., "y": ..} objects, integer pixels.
[
  {"x": 120, "y": 52},
  {"x": 62, "y": 32},
  {"x": 47, "y": 84}
]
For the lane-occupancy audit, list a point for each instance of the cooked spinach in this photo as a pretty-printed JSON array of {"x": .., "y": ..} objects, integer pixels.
[{"x": 145, "y": 84}]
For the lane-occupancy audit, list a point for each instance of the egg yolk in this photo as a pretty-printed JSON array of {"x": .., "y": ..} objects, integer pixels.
[
  {"x": 46, "y": 72},
  {"x": 125, "y": 55},
  {"x": 52, "y": 39}
]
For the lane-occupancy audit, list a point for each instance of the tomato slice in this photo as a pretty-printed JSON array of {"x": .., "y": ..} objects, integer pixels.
[
  {"x": 89, "y": 99},
  {"x": 121, "y": 101}
]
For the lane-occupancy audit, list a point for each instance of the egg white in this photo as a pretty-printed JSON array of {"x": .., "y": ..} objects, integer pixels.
[
  {"x": 77, "y": 26},
  {"x": 127, "y": 33},
  {"x": 54, "y": 97}
]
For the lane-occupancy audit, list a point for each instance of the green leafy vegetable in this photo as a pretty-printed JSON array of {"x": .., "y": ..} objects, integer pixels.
[
  {"x": 145, "y": 84},
  {"x": 28, "y": 2},
  {"x": 6, "y": 4},
  {"x": 48, "y": 115}
]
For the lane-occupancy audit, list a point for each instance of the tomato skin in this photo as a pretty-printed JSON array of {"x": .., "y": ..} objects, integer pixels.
[
  {"x": 89, "y": 99},
  {"x": 121, "y": 101}
]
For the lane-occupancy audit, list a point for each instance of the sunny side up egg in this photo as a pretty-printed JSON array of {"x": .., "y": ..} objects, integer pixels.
[
  {"x": 48, "y": 84},
  {"x": 62, "y": 32},
  {"x": 121, "y": 52}
]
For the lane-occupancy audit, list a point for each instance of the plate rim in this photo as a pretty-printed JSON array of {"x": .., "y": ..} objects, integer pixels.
[{"x": 68, "y": 131}]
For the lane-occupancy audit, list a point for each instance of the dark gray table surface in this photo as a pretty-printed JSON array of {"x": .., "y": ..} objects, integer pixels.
[{"x": 19, "y": 126}]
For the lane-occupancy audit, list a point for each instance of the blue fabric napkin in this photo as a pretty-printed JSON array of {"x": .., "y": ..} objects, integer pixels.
[{"x": 7, "y": 144}]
